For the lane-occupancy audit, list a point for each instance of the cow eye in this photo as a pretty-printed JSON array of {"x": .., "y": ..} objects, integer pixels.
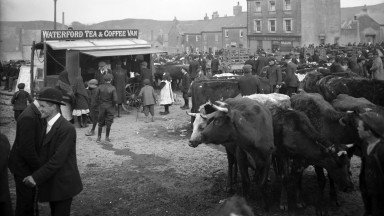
[
  {"x": 201, "y": 127},
  {"x": 218, "y": 122}
]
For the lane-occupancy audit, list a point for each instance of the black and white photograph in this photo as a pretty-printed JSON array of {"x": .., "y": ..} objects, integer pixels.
[{"x": 191, "y": 108}]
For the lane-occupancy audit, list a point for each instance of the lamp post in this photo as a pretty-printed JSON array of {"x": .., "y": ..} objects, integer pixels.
[{"x": 54, "y": 26}]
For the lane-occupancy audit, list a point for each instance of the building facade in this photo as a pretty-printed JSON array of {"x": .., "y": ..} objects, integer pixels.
[{"x": 284, "y": 24}]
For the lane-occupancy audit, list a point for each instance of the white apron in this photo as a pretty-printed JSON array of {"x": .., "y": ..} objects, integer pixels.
[{"x": 166, "y": 94}]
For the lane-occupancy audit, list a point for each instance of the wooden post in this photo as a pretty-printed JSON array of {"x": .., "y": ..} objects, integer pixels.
[{"x": 32, "y": 83}]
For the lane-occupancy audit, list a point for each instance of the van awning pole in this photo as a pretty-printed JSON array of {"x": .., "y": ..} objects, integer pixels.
[{"x": 32, "y": 83}]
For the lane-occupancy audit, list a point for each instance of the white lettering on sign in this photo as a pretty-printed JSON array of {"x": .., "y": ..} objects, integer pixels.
[{"x": 88, "y": 34}]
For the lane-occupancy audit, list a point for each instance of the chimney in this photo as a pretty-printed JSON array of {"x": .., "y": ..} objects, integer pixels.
[
  {"x": 365, "y": 9},
  {"x": 237, "y": 9},
  {"x": 206, "y": 17},
  {"x": 215, "y": 15}
]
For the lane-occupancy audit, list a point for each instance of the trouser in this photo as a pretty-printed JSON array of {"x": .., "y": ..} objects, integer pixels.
[
  {"x": 149, "y": 109},
  {"x": 186, "y": 98},
  {"x": 10, "y": 82},
  {"x": 291, "y": 90},
  {"x": 17, "y": 113},
  {"x": 106, "y": 114},
  {"x": 61, "y": 208},
  {"x": 25, "y": 197}
]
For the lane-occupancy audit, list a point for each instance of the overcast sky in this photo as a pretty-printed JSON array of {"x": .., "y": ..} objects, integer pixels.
[{"x": 94, "y": 11}]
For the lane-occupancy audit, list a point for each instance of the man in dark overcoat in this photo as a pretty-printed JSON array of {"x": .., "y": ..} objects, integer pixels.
[
  {"x": 370, "y": 126},
  {"x": 103, "y": 70},
  {"x": 120, "y": 80},
  {"x": 185, "y": 83},
  {"x": 215, "y": 65},
  {"x": 274, "y": 75},
  {"x": 193, "y": 68},
  {"x": 291, "y": 80},
  {"x": 251, "y": 61},
  {"x": 249, "y": 84},
  {"x": 24, "y": 158},
  {"x": 261, "y": 62},
  {"x": 58, "y": 179},
  {"x": 5, "y": 196},
  {"x": 145, "y": 73}
]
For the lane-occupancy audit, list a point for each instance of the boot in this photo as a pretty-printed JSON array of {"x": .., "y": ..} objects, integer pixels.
[
  {"x": 100, "y": 129},
  {"x": 84, "y": 119},
  {"x": 118, "y": 110},
  {"x": 107, "y": 134},
  {"x": 79, "y": 121}
]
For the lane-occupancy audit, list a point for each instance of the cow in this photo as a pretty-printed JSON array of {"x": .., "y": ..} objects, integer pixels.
[
  {"x": 337, "y": 127},
  {"x": 298, "y": 144},
  {"x": 248, "y": 124},
  {"x": 234, "y": 206},
  {"x": 372, "y": 90},
  {"x": 173, "y": 69}
]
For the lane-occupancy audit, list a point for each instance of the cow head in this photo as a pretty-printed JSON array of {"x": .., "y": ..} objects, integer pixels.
[
  {"x": 218, "y": 128},
  {"x": 200, "y": 123},
  {"x": 339, "y": 166}
]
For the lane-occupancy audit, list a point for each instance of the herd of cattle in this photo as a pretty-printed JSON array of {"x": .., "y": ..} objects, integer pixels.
[{"x": 314, "y": 127}]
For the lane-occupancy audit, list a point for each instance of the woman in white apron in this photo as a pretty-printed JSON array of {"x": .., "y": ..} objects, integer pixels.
[{"x": 166, "y": 93}]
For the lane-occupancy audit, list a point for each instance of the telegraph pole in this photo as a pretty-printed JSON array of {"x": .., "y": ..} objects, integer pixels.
[{"x": 54, "y": 27}]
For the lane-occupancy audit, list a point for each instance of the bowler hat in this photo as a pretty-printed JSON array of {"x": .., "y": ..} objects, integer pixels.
[
  {"x": 21, "y": 86},
  {"x": 93, "y": 83},
  {"x": 375, "y": 122},
  {"x": 247, "y": 68},
  {"x": 102, "y": 64},
  {"x": 287, "y": 56},
  {"x": 52, "y": 95}
]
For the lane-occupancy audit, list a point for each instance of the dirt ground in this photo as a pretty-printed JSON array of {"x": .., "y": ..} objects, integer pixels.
[{"x": 149, "y": 169}]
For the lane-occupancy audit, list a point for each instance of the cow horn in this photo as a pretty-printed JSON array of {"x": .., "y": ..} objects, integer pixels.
[
  {"x": 221, "y": 103},
  {"x": 192, "y": 114},
  {"x": 222, "y": 109},
  {"x": 341, "y": 153},
  {"x": 350, "y": 145},
  {"x": 342, "y": 122},
  {"x": 349, "y": 111},
  {"x": 203, "y": 116},
  {"x": 332, "y": 148}
]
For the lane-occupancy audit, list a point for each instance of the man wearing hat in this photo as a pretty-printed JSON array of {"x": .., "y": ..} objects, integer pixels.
[
  {"x": 261, "y": 62},
  {"x": 103, "y": 70},
  {"x": 24, "y": 157},
  {"x": 193, "y": 68},
  {"x": 107, "y": 97},
  {"x": 274, "y": 75},
  {"x": 249, "y": 84},
  {"x": 291, "y": 80},
  {"x": 251, "y": 61},
  {"x": 361, "y": 67},
  {"x": 377, "y": 67},
  {"x": 370, "y": 126},
  {"x": 58, "y": 178},
  {"x": 120, "y": 81},
  {"x": 20, "y": 99},
  {"x": 145, "y": 73},
  {"x": 93, "y": 106}
]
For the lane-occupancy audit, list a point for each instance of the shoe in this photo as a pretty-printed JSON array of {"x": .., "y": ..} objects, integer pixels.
[
  {"x": 164, "y": 113},
  {"x": 182, "y": 107},
  {"x": 107, "y": 139},
  {"x": 98, "y": 139},
  {"x": 90, "y": 133}
]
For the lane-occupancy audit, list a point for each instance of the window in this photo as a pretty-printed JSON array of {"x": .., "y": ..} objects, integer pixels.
[
  {"x": 287, "y": 5},
  {"x": 205, "y": 37},
  {"x": 257, "y": 6},
  {"x": 226, "y": 33},
  {"x": 272, "y": 25},
  {"x": 216, "y": 37},
  {"x": 288, "y": 25},
  {"x": 197, "y": 38},
  {"x": 226, "y": 45},
  {"x": 272, "y": 5},
  {"x": 186, "y": 38},
  {"x": 241, "y": 33},
  {"x": 257, "y": 25}
]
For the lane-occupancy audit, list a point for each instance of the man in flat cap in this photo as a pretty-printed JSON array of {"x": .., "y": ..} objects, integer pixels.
[
  {"x": 58, "y": 178},
  {"x": 107, "y": 97},
  {"x": 274, "y": 75},
  {"x": 251, "y": 61},
  {"x": 249, "y": 84},
  {"x": 291, "y": 80},
  {"x": 20, "y": 99},
  {"x": 370, "y": 126},
  {"x": 377, "y": 67}
]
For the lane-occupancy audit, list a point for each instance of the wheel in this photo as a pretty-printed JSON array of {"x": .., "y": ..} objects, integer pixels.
[{"x": 131, "y": 96}]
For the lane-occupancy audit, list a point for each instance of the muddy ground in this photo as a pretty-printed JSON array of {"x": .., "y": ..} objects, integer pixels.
[{"x": 149, "y": 169}]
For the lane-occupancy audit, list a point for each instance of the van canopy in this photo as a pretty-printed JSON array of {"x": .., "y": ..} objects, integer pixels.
[{"x": 104, "y": 47}]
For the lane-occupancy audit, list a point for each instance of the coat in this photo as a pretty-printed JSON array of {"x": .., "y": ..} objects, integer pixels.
[
  {"x": 166, "y": 94},
  {"x": 185, "y": 83},
  {"x": 253, "y": 63},
  {"x": 146, "y": 74},
  {"x": 58, "y": 178},
  {"x": 147, "y": 93},
  {"x": 100, "y": 76},
  {"x": 274, "y": 75},
  {"x": 5, "y": 196},
  {"x": 215, "y": 64},
  {"x": 30, "y": 130},
  {"x": 377, "y": 69},
  {"x": 291, "y": 79},
  {"x": 19, "y": 100},
  {"x": 249, "y": 85},
  {"x": 120, "y": 81}
]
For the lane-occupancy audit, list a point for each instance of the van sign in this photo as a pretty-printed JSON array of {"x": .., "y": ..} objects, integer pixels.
[{"x": 47, "y": 35}]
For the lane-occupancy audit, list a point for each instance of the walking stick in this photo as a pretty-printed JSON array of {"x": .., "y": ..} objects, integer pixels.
[{"x": 35, "y": 202}]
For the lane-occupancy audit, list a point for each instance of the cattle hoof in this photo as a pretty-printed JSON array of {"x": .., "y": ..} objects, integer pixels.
[{"x": 284, "y": 207}]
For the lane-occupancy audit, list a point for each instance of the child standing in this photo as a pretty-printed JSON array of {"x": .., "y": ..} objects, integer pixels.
[
  {"x": 147, "y": 93},
  {"x": 93, "y": 105},
  {"x": 166, "y": 94},
  {"x": 19, "y": 100}
]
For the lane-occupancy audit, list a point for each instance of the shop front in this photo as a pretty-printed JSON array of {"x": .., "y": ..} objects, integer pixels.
[
  {"x": 80, "y": 51},
  {"x": 283, "y": 43}
]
